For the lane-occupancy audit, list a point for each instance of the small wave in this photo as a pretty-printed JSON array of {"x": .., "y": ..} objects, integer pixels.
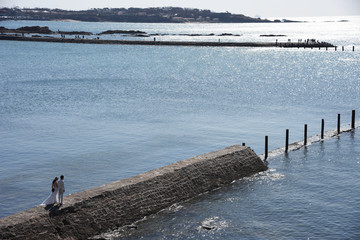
[
  {"x": 174, "y": 208},
  {"x": 347, "y": 59},
  {"x": 269, "y": 174},
  {"x": 231, "y": 199},
  {"x": 276, "y": 176}
]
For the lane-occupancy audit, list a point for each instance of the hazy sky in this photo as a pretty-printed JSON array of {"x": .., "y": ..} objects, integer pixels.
[{"x": 263, "y": 8}]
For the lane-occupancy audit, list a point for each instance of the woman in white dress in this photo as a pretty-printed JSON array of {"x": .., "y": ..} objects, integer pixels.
[{"x": 53, "y": 195}]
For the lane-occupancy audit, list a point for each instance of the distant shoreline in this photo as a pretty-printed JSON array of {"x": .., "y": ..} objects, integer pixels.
[{"x": 134, "y": 15}]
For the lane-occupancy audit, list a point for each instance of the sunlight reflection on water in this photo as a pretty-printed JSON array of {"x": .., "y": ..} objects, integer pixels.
[{"x": 101, "y": 113}]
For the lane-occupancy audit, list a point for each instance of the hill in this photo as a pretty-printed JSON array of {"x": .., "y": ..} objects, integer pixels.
[{"x": 147, "y": 15}]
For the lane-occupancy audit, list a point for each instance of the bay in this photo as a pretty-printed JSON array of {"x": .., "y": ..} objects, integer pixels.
[{"x": 99, "y": 113}]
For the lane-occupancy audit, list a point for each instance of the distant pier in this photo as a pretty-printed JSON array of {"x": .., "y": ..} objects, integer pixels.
[{"x": 167, "y": 43}]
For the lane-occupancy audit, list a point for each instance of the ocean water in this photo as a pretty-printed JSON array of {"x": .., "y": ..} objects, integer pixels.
[
  {"x": 312, "y": 193},
  {"x": 99, "y": 113}
]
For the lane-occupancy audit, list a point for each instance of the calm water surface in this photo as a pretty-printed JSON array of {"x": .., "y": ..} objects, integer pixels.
[{"x": 99, "y": 113}]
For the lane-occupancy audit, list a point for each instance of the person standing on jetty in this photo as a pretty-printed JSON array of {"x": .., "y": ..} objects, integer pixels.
[
  {"x": 61, "y": 189},
  {"x": 53, "y": 195}
]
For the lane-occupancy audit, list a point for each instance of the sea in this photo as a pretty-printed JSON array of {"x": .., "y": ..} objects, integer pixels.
[{"x": 100, "y": 113}]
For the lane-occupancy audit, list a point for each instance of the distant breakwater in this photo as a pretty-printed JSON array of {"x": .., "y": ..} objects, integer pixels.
[
  {"x": 121, "y": 203},
  {"x": 167, "y": 43}
]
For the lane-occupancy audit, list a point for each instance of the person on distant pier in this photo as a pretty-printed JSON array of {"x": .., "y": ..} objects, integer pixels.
[
  {"x": 61, "y": 187},
  {"x": 52, "y": 198}
]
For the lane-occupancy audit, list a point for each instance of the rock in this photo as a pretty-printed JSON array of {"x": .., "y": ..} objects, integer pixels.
[
  {"x": 208, "y": 227},
  {"x": 226, "y": 34},
  {"x": 130, "y": 32},
  {"x": 75, "y": 33},
  {"x": 272, "y": 35},
  {"x": 141, "y": 35},
  {"x": 27, "y": 29},
  {"x": 35, "y": 29}
]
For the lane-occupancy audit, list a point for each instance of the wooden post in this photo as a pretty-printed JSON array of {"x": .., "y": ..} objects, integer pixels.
[
  {"x": 322, "y": 128},
  {"x": 266, "y": 146},
  {"x": 338, "y": 124},
  {"x": 287, "y": 141},
  {"x": 342, "y": 48},
  {"x": 305, "y": 134},
  {"x": 353, "y": 48},
  {"x": 335, "y": 48},
  {"x": 353, "y": 119},
  {"x": 326, "y": 48}
]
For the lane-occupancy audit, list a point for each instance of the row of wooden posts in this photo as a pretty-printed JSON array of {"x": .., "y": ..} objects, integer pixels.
[
  {"x": 342, "y": 48},
  {"x": 305, "y": 133}
]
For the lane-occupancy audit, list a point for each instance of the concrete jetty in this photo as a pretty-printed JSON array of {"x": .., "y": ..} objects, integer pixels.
[
  {"x": 89, "y": 213},
  {"x": 166, "y": 43}
]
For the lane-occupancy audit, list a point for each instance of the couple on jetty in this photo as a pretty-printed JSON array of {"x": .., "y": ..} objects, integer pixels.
[{"x": 57, "y": 192}]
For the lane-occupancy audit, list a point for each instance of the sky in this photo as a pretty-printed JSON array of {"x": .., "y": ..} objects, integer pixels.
[{"x": 252, "y": 8}]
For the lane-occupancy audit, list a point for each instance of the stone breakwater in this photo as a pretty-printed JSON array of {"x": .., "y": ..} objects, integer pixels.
[
  {"x": 166, "y": 43},
  {"x": 86, "y": 214}
]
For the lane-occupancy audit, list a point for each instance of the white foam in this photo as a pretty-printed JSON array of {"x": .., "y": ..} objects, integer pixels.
[{"x": 213, "y": 223}]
